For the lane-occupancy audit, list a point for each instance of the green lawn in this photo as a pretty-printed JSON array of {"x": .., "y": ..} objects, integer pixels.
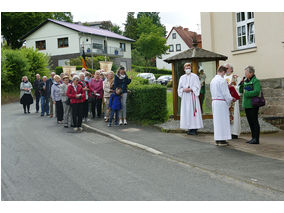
[{"x": 170, "y": 103}]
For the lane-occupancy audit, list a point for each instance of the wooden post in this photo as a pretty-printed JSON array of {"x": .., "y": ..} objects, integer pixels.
[
  {"x": 217, "y": 65},
  {"x": 194, "y": 67},
  {"x": 175, "y": 95}
]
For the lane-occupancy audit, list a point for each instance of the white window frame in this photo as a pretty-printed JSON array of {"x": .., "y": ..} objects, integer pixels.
[{"x": 245, "y": 25}]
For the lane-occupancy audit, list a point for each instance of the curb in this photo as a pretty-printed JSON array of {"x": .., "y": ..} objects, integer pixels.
[{"x": 121, "y": 140}]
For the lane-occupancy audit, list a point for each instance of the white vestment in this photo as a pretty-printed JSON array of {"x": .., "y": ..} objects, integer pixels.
[
  {"x": 221, "y": 100},
  {"x": 236, "y": 124},
  {"x": 190, "y": 111}
]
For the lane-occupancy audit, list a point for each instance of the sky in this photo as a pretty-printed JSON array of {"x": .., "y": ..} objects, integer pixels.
[{"x": 189, "y": 20}]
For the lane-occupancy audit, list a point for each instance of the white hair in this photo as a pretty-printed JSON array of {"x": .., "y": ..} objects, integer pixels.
[
  {"x": 75, "y": 77},
  {"x": 81, "y": 74},
  {"x": 230, "y": 65}
]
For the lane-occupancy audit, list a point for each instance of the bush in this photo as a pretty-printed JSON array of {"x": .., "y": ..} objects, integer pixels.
[
  {"x": 147, "y": 103},
  {"x": 17, "y": 63},
  {"x": 58, "y": 70},
  {"x": 153, "y": 70}
]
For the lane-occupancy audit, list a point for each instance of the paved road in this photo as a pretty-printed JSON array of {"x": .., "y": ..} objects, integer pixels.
[{"x": 44, "y": 161}]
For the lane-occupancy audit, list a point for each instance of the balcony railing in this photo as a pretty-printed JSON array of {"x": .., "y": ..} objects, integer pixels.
[{"x": 109, "y": 51}]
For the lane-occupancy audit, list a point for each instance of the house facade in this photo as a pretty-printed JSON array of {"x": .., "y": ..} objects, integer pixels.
[
  {"x": 179, "y": 39},
  {"x": 63, "y": 41},
  {"x": 249, "y": 38}
]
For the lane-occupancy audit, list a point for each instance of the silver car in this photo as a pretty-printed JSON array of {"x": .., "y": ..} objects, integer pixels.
[
  {"x": 150, "y": 76},
  {"x": 164, "y": 79}
]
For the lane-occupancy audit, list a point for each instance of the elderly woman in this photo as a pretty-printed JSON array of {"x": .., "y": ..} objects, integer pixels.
[
  {"x": 86, "y": 89},
  {"x": 96, "y": 94},
  {"x": 121, "y": 80},
  {"x": 65, "y": 101},
  {"x": 26, "y": 94},
  {"x": 77, "y": 96},
  {"x": 250, "y": 87},
  {"x": 56, "y": 98},
  {"x": 107, "y": 86}
]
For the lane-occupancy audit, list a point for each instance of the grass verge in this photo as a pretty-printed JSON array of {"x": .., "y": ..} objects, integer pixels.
[{"x": 10, "y": 97}]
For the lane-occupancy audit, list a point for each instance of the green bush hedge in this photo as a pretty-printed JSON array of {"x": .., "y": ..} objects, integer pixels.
[
  {"x": 147, "y": 103},
  {"x": 153, "y": 70}
]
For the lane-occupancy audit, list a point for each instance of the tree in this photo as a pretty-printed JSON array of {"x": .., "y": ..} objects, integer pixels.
[
  {"x": 155, "y": 19},
  {"x": 130, "y": 30},
  {"x": 17, "y": 24},
  {"x": 145, "y": 25},
  {"x": 116, "y": 29},
  {"x": 151, "y": 45}
]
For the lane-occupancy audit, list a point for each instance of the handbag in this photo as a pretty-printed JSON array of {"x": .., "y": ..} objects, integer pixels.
[{"x": 258, "y": 101}]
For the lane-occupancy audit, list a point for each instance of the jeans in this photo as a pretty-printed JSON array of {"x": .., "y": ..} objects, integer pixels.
[
  {"x": 59, "y": 110},
  {"x": 37, "y": 102},
  {"x": 116, "y": 116},
  {"x": 77, "y": 111},
  {"x": 252, "y": 117},
  {"x": 123, "y": 104},
  {"x": 44, "y": 105}
]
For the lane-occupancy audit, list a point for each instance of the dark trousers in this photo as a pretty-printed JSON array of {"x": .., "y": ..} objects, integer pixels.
[
  {"x": 85, "y": 109},
  {"x": 25, "y": 106},
  {"x": 252, "y": 117},
  {"x": 97, "y": 104},
  {"x": 59, "y": 110},
  {"x": 116, "y": 116},
  {"x": 77, "y": 112},
  {"x": 37, "y": 102}
]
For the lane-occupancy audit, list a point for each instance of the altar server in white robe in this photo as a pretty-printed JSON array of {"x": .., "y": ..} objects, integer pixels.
[
  {"x": 234, "y": 81},
  {"x": 221, "y": 100},
  {"x": 188, "y": 91}
]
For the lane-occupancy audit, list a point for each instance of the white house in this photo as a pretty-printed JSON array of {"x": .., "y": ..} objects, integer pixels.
[
  {"x": 179, "y": 39},
  {"x": 64, "y": 40}
]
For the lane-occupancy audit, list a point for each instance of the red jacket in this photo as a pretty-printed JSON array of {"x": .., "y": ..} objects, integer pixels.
[
  {"x": 71, "y": 94},
  {"x": 98, "y": 86},
  {"x": 87, "y": 85}
]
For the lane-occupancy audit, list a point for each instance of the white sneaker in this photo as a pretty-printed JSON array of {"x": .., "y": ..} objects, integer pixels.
[
  {"x": 81, "y": 129},
  {"x": 120, "y": 122},
  {"x": 125, "y": 122},
  {"x": 75, "y": 129}
]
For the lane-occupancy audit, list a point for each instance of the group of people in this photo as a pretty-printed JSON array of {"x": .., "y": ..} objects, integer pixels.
[
  {"x": 225, "y": 89},
  {"x": 77, "y": 96}
]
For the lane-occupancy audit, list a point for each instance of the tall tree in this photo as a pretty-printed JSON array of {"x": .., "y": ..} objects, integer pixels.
[
  {"x": 116, "y": 29},
  {"x": 16, "y": 24},
  {"x": 155, "y": 18},
  {"x": 130, "y": 30}
]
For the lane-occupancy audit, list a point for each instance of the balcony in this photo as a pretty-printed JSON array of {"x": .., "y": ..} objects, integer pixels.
[{"x": 99, "y": 50}]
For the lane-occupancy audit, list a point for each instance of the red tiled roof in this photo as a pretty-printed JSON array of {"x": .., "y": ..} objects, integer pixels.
[{"x": 187, "y": 36}]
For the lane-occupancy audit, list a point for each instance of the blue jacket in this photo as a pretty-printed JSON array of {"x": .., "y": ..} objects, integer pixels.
[
  {"x": 115, "y": 102},
  {"x": 121, "y": 83}
]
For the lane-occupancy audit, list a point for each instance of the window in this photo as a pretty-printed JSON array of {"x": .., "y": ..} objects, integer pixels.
[
  {"x": 122, "y": 47},
  {"x": 62, "y": 42},
  {"x": 171, "y": 48},
  {"x": 174, "y": 35},
  {"x": 97, "y": 46},
  {"x": 178, "y": 47},
  {"x": 245, "y": 30},
  {"x": 41, "y": 45}
]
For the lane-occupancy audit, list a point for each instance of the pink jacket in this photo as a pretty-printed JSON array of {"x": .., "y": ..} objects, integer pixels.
[{"x": 96, "y": 85}]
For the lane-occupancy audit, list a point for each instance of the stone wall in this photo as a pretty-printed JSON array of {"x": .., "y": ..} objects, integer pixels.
[{"x": 273, "y": 91}]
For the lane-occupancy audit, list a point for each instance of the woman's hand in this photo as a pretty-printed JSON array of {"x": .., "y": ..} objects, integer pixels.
[
  {"x": 187, "y": 90},
  {"x": 54, "y": 102}
]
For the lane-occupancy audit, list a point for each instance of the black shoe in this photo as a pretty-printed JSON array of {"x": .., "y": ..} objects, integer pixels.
[
  {"x": 189, "y": 132},
  {"x": 222, "y": 143},
  {"x": 25, "y": 112},
  {"x": 254, "y": 141},
  {"x": 29, "y": 112},
  {"x": 249, "y": 141},
  {"x": 65, "y": 126},
  {"x": 235, "y": 137},
  {"x": 36, "y": 111}
]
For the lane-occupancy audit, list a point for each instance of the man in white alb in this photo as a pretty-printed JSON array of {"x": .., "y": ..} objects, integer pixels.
[
  {"x": 234, "y": 81},
  {"x": 188, "y": 91},
  {"x": 221, "y": 101}
]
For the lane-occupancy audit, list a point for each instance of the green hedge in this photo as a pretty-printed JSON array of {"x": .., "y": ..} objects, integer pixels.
[
  {"x": 153, "y": 70},
  {"x": 147, "y": 103}
]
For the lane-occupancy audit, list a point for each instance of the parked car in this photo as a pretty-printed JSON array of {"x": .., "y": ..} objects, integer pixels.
[
  {"x": 164, "y": 79},
  {"x": 149, "y": 76}
]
